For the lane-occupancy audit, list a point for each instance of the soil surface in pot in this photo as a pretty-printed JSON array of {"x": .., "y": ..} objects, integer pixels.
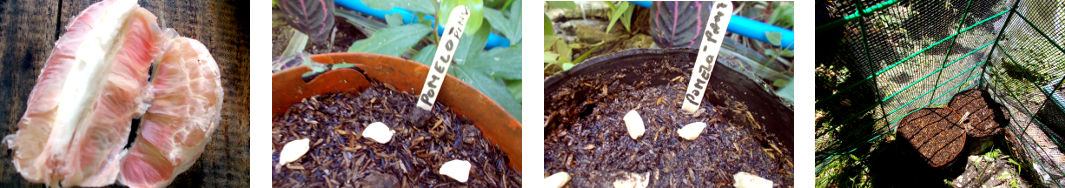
[
  {"x": 340, "y": 157},
  {"x": 588, "y": 139},
  {"x": 986, "y": 117},
  {"x": 934, "y": 133}
]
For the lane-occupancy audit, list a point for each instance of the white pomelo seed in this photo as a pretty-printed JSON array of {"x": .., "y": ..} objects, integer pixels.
[
  {"x": 379, "y": 132},
  {"x": 691, "y": 131},
  {"x": 557, "y": 180},
  {"x": 748, "y": 180},
  {"x": 294, "y": 150},
  {"x": 634, "y": 123},
  {"x": 456, "y": 169}
]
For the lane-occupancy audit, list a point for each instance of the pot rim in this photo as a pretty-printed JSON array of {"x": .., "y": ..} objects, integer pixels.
[{"x": 496, "y": 124}]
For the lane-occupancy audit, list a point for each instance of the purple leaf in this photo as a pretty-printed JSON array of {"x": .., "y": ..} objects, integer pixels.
[
  {"x": 312, "y": 17},
  {"x": 678, "y": 24}
]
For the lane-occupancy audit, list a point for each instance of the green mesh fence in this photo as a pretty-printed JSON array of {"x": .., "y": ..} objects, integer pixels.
[{"x": 905, "y": 55}]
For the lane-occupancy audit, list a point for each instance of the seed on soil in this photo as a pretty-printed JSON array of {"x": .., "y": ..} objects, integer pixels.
[
  {"x": 379, "y": 132},
  {"x": 633, "y": 180},
  {"x": 691, "y": 131},
  {"x": 456, "y": 169},
  {"x": 557, "y": 180},
  {"x": 634, "y": 123},
  {"x": 748, "y": 180},
  {"x": 294, "y": 150}
]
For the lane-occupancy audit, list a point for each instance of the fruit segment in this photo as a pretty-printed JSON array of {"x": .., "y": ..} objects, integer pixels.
[
  {"x": 185, "y": 112},
  {"x": 78, "y": 116}
]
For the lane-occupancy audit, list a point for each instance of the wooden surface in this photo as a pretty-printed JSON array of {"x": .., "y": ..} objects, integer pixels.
[{"x": 29, "y": 29}]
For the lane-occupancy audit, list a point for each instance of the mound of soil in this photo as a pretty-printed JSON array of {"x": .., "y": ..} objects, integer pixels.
[
  {"x": 340, "y": 157},
  {"x": 935, "y": 134},
  {"x": 986, "y": 117},
  {"x": 587, "y": 137}
]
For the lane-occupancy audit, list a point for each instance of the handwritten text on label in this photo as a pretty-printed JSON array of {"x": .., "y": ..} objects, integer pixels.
[
  {"x": 704, "y": 62},
  {"x": 438, "y": 70}
]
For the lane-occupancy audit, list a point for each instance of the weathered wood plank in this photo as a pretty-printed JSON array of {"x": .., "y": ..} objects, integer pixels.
[
  {"x": 220, "y": 25},
  {"x": 26, "y": 38}
]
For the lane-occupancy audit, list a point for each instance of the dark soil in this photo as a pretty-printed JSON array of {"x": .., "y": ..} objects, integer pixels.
[
  {"x": 986, "y": 117},
  {"x": 588, "y": 139},
  {"x": 934, "y": 133},
  {"x": 340, "y": 157}
]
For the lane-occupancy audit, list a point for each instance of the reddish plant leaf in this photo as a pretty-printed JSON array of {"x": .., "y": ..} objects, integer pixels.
[
  {"x": 678, "y": 24},
  {"x": 312, "y": 17}
]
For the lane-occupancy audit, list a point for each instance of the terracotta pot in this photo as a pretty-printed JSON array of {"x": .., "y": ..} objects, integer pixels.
[{"x": 498, "y": 126}]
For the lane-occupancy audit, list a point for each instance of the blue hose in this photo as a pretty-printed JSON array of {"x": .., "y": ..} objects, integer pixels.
[
  {"x": 408, "y": 17},
  {"x": 749, "y": 28}
]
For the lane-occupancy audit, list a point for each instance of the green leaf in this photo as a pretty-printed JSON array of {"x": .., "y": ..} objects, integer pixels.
[
  {"x": 788, "y": 91},
  {"x": 549, "y": 29},
  {"x": 553, "y": 58},
  {"x": 626, "y": 18},
  {"x": 476, "y": 13},
  {"x": 515, "y": 20},
  {"x": 783, "y": 15},
  {"x": 563, "y": 50},
  {"x": 394, "y": 20},
  {"x": 471, "y": 44},
  {"x": 343, "y": 65},
  {"x": 774, "y": 37},
  {"x": 485, "y": 71},
  {"x": 315, "y": 66},
  {"x": 422, "y": 6},
  {"x": 511, "y": 27},
  {"x": 425, "y": 55},
  {"x": 549, "y": 41},
  {"x": 563, "y": 4},
  {"x": 586, "y": 54},
  {"x": 787, "y": 53},
  {"x": 502, "y": 63},
  {"x": 391, "y": 41},
  {"x": 1003, "y": 176},
  {"x": 368, "y": 25},
  {"x": 567, "y": 66},
  {"x": 296, "y": 44},
  {"x": 616, "y": 15},
  {"x": 515, "y": 89}
]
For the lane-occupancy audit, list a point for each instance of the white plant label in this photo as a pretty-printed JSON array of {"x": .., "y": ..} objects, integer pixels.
[
  {"x": 449, "y": 42},
  {"x": 704, "y": 62}
]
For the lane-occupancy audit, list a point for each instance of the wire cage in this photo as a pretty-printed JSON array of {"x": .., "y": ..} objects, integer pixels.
[{"x": 878, "y": 65}]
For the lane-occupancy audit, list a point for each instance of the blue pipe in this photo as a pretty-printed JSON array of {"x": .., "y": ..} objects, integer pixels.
[
  {"x": 749, "y": 28},
  {"x": 409, "y": 17}
]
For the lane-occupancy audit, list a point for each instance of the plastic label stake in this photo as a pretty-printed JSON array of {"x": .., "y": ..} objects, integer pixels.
[
  {"x": 456, "y": 24},
  {"x": 704, "y": 62}
]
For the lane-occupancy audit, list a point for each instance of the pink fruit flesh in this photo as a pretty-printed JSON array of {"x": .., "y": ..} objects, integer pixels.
[
  {"x": 188, "y": 101},
  {"x": 78, "y": 141},
  {"x": 99, "y": 140},
  {"x": 30, "y": 158}
]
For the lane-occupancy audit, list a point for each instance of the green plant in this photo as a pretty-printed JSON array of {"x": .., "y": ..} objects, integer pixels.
[
  {"x": 622, "y": 11},
  {"x": 495, "y": 72}
]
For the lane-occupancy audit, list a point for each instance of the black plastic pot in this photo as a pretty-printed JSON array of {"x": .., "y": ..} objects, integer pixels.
[
  {"x": 1052, "y": 113},
  {"x": 775, "y": 113}
]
